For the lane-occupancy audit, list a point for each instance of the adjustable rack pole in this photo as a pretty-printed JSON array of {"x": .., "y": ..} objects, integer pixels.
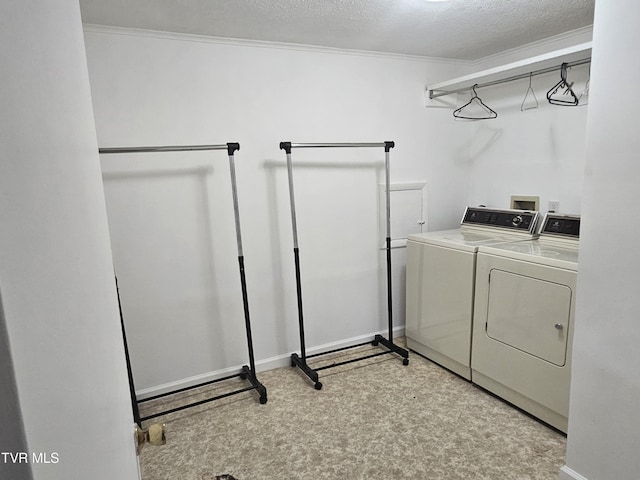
[
  {"x": 251, "y": 374},
  {"x": 388, "y": 196},
  {"x": 301, "y": 360},
  {"x": 387, "y": 148},
  {"x": 132, "y": 390},
  {"x": 298, "y": 360},
  {"x": 246, "y": 373},
  {"x": 388, "y": 342}
]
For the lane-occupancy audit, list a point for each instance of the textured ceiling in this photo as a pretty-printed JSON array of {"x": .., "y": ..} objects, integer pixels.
[{"x": 458, "y": 29}]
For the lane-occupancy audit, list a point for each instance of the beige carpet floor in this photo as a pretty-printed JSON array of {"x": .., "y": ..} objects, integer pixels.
[{"x": 375, "y": 419}]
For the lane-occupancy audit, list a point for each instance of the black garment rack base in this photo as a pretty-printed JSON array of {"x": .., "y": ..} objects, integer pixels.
[
  {"x": 300, "y": 361},
  {"x": 246, "y": 372}
]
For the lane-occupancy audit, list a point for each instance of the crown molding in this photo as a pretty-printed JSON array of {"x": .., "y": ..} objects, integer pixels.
[
  {"x": 573, "y": 37},
  {"x": 237, "y": 42}
]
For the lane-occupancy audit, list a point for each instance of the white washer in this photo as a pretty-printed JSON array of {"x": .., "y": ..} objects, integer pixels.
[
  {"x": 523, "y": 319},
  {"x": 441, "y": 269}
]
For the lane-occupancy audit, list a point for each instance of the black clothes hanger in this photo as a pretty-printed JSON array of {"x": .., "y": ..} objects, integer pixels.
[
  {"x": 485, "y": 114},
  {"x": 562, "y": 93}
]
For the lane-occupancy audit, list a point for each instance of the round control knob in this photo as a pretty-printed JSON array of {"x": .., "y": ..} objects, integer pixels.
[{"x": 517, "y": 220}]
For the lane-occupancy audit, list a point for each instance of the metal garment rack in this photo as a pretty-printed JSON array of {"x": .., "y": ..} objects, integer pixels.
[
  {"x": 247, "y": 372},
  {"x": 301, "y": 360}
]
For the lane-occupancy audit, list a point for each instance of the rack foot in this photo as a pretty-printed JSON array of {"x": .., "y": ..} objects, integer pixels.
[
  {"x": 248, "y": 374},
  {"x": 393, "y": 347},
  {"x": 296, "y": 361}
]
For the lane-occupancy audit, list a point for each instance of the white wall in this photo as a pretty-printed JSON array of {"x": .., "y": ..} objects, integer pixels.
[
  {"x": 171, "y": 217},
  {"x": 603, "y": 440},
  {"x": 56, "y": 274},
  {"x": 538, "y": 152}
]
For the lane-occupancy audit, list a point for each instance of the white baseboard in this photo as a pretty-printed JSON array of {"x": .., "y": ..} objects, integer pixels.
[
  {"x": 261, "y": 365},
  {"x": 567, "y": 473}
]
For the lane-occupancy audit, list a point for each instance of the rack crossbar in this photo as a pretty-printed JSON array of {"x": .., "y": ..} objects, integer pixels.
[
  {"x": 336, "y": 145},
  {"x": 191, "y": 387},
  {"x": 352, "y": 360},
  {"x": 195, "y": 404},
  {"x": 341, "y": 349},
  {"x": 441, "y": 93},
  {"x": 170, "y": 148}
]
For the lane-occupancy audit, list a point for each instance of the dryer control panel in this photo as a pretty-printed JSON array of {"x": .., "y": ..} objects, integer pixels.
[
  {"x": 520, "y": 220},
  {"x": 561, "y": 225}
]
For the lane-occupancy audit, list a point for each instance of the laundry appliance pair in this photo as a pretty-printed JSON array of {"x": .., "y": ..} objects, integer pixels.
[{"x": 493, "y": 301}]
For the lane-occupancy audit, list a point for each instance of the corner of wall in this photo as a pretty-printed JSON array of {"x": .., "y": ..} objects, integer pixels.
[
  {"x": 12, "y": 435},
  {"x": 566, "y": 473},
  {"x": 556, "y": 42}
]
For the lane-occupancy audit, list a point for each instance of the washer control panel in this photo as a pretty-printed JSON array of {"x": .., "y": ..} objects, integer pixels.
[
  {"x": 521, "y": 220},
  {"x": 561, "y": 225}
]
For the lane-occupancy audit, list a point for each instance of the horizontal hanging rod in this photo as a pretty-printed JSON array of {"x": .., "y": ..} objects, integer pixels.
[
  {"x": 231, "y": 147},
  {"x": 329, "y": 145},
  {"x": 287, "y": 146},
  {"x": 441, "y": 93}
]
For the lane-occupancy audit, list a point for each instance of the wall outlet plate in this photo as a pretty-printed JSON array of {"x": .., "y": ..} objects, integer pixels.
[{"x": 554, "y": 206}]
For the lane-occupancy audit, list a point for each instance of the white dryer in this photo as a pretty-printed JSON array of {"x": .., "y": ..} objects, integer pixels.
[
  {"x": 441, "y": 270},
  {"x": 524, "y": 318}
]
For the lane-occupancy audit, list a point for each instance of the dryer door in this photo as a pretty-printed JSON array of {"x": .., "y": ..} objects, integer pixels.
[{"x": 529, "y": 314}]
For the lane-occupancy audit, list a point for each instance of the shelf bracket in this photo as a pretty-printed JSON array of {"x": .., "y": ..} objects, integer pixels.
[{"x": 440, "y": 101}]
